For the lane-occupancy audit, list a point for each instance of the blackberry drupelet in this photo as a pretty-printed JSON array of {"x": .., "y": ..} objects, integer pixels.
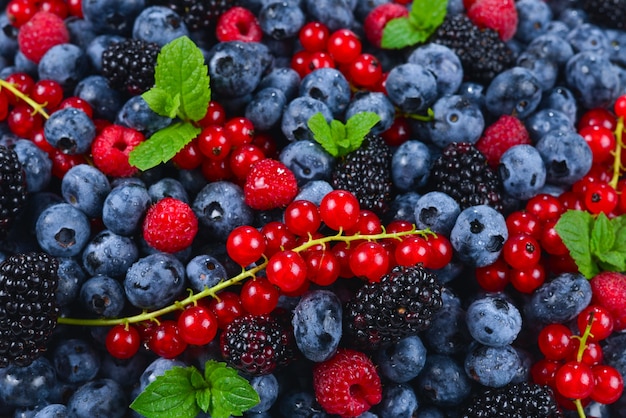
[
  {"x": 462, "y": 172},
  {"x": 12, "y": 188},
  {"x": 366, "y": 173},
  {"x": 28, "y": 308},
  {"x": 197, "y": 14},
  {"x": 129, "y": 65},
  {"x": 481, "y": 51},
  {"x": 519, "y": 400},
  {"x": 401, "y": 304},
  {"x": 609, "y": 13},
  {"x": 258, "y": 344}
]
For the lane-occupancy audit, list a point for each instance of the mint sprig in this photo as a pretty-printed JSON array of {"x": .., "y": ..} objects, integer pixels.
[
  {"x": 596, "y": 243},
  {"x": 181, "y": 91},
  {"x": 339, "y": 139},
  {"x": 184, "y": 392},
  {"x": 425, "y": 17}
]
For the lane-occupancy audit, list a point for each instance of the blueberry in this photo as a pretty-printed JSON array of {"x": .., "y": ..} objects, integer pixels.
[
  {"x": 156, "y": 368},
  {"x": 284, "y": 78},
  {"x": 307, "y": 160},
  {"x": 547, "y": 120},
  {"x": 617, "y": 46},
  {"x": 403, "y": 360},
  {"x": 136, "y": 114},
  {"x": 566, "y": 155},
  {"x": 314, "y": 191},
  {"x": 236, "y": 67},
  {"x": 478, "y": 235},
  {"x": 300, "y": 404},
  {"x": 399, "y": 401},
  {"x": 167, "y": 187},
  {"x": 62, "y": 230},
  {"x": 266, "y": 386},
  {"x": 71, "y": 130},
  {"x": 97, "y": 45},
  {"x": 8, "y": 37},
  {"x": 545, "y": 70},
  {"x": 475, "y": 92},
  {"x": 560, "y": 299},
  {"x": 266, "y": 108},
  {"x": 411, "y": 87},
  {"x": 159, "y": 24},
  {"x": 204, "y": 271},
  {"x": 76, "y": 361},
  {"x": 66, "y": 64},
  {"x": 29, "y": 385},
  {"x": 443, "y": 63},
  {"x": 522, "y": 171},
  {"x": 85, "y": 187},
  {"x": 527, "y": 360},
  {"x": 594, "y": 78},
  {"x": 109, "y": 254},
  {"x": 492, "y": 366},
  {"x": 456, "y": 119},
  {"x": 112, "y": 16},
  {"x": 329, "y": 86},
  {"x": 443, "y": 381},
  {"x": 513, "y": 90},
  {"x": 552, "y": 47},
  {"x": 533, "y": 18},
  {"x": 376, "y": 102},
  {"x": 317, "y": 324},
  {"x": 430, "y": 411},
  {"x": 336, "y": 14},
  {"x": 99, "y": 397},
  {"x": 102, "y": 296},
  {"x": 402, "y": 207},
  {"x": 24, "y": 65},
  {"x": 573, "y": 16},
  {"x": 70, "y": 278},
  {"x": 154, "y": 281},
  {"x": 55, "y": 410},
  {"x": 493, "y": 321},
  {"x": 105, "y": 101},
  {"x": 126, "y": 372},
  {"x": 410, "y": 165},
  {"x": 588, "y": 37},
  {"x": 36, "y": 164},
  {"x": 448, "y": 332},
  {"x": 297, "y": 114},
  {"x": 437, "y": 211},
  {"x": 281, "y": 19},
  {"x": 124, "y": 208}
]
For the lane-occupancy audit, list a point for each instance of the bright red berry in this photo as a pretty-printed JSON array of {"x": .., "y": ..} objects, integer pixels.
[
  {"x": 619, "y": 107},
  {"x": 43, "y": 31},
  {"x": 238, "y": 24},
  {"x": 501, "y": 135},
  {"x": 600, "y": 197},
  {"x": 375, "y": 21},
  {"x": 21, "y": 11},
  {"x": 313, "y": 36},
  {"x": 601, "y": 140},
  {"x": 499, "y": 15},
  {"x": 412, "y": 250},
  {"x": 370, "y": 260},
  {"x": 322, "y": 267},
  {"x": 302, "y": 217},
  {"x": 170, "y": 225},
  {"x": 277, "y": 237},
  {"x": 601, "y": 323},
  {"x": 270, "y": 184},
  {"x": 245, "y": 245},
  {"x": 526, "y": 280},
  {"x": 574, "y": 380},
  {"x": 242, "y": 158},
  {"x": 214, "y": 143},
  {"x": 226, "y": 306},
  {"x": 493, "y": 277},
  {"x": 258, "y": 296},
  {"x": 521, "y": 251},
  {"x": 609, "y": 291},
  {"x": 608, "y": 384},
  {"x": 197, "y": 325},
  {"x": 123, "y": 341},
  {"x": 339, "y": 209},
  {"x": 166, "y": 341},
  {"x": 365, "y": 70},
  {"x": 287, "y": 270},
  {"x": 555, "y": 341},
  {"x": 111, "y": 147},
  {"x": 344, "y": 46}
]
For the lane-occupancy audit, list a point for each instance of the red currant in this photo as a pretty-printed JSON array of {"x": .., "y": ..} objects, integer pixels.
[
  {"x": 339, "y": 210},
  {"x": 20, "y": 11},
  {"x": 215, "y": 115},
  {"x": 523, "y": 222},
  {"x": 592, "y": 354},
  {"x": 412, "y": 250},
  {"x": 528, "y": 279},
  {"x": 242, "y": 158},
  {"x": 544, "y": 371},
  {"x": 259, "y": 296},
  {"x": 313, "y": 36},
  {"x": 344, "y": 46},
  {"x": 369, "y": 260},
  {"x": 226, "y": 306},
  {"x": 619, "y": 107},
  {"x": 302, "y": 217},
  {"x": 166, "y": 340},
  {"x": 368, "y": 224},
  {"x": 398, "y": 133},
  {"x": 544, "y": 207},
  {"x": 322, "y": 267},
  {"x": 287, "y": 270},
  {"x": 598, "y": 117},
  {"x": 555, "y": 341},
  {"x": 601, "y": 140},
  {"x": 23, "y": 122},
  {"x": 574, "y": 380},
  {"x": 608, "y": 384},
  {"x": 441, "y": 251},
  {"x": 341, "y": 251},
  {"x": 317, "y": 60},
  {"x": 366, "y": 70},
  {"x": 190, "y": 157},
  {"x": 77, "y": 103},
  {"x": 521, "y": 251},
  {"x": 48, "y": 93},
  {"x": 550, "y": 240},
  {"x": 197, "y": 325},
  {"x": 123, "y": 341},
  {"x": 493, "y": 277},
  {"x": 600, "y": 197},
  {"x": 601, "y": 324},
  {"x": 214, "y": 143},
  {"x": 240, "y": 130},
  {"x": 245, "y": 245}
]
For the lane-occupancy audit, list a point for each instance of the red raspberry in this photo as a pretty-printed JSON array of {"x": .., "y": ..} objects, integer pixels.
[
  {"x": 609, "y": 291},
  {"x": 170, "y": 225},
  {"x": 499, "y": 15},
  {"x": 43, "y": 31},
  {"x": 110, "y": 149},
  {"x": 376, "y": 20},
  {"x": 238, "y": 24},
  {"x": 269, "y": 185},
  {"x": 500, "y": 136},
  {"x": 347, "y": 384}
]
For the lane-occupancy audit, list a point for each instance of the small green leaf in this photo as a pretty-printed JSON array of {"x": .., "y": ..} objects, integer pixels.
[
  {"x": 574, "y": 228},
  {"x": 161, "y": 102},
  {"x": 358, "y": 126},
  {"x": 197, "y": 380},
  {"x": 162, "y": 145},
  {"x": 172, "y": 391},
  {"x": 425, "y": 17},
  {"x": 602, "y": 235},
  {"x": 620, "y": 240},
  {"x": 338, "y": 132},
  {"x": 612, "y": 261},
  {"x": 322, "y": 133},
  {"x": 203, "y": 399},
  {"x": 400, "y": 33},
  {"x": 231, "y": 393}
]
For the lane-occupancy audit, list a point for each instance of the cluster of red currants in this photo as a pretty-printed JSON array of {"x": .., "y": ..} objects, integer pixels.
[{"x": 20, "y": 11}]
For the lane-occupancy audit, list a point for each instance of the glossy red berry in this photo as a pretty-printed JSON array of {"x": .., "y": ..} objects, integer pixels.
[
  {"x": 166, "y": 340},
  {"x": 226, "y": 306},
  {"x": 600, "y": 198},
  {"x": 215, "y": 115},
  {"x": 523, "y": 222},
  {"x": 20, "y": 11},
  {"x": 521, "y": 251},
  {"x": 240, "y": 130},
  {"x": 197, "y": 325},
  {"x": 574, "y": 380},
  {"x": 277, "y": 237},
  {"x": 48, "y": 93},
  {"x": 598, "y": 117},
  {"x": 526, "y": 280},
  {"x": 344, "y": 46},
  {"x": 608, "y": 384},
  {"x": 214, "y": 143},
  {"x": 441, "y": 251},
  {"x": 601, "y": 140},
  {"x": 555, "y": 341},
  {"x": 242, "y": 158},
  {"x": 322, "y": 267},
  {"x": 493, "y": 277},
  {"x": 287, "y": 270},
  {"x": 123, "y": 341},
  {"x": 544, "y": 371},
  {"x": 190, "y": 157},
  {"x": 599, "y": 319},
  {"x": 339, "y": 210},
  {"x": 544, "y": 206},
  {"x": 245, "y": 245},
  {"x": 313, "y": 36},
  {"x": 302, "y": 217},
  {"x": 412, "y": 250},
  {"x": 22, "y": 121},
  {"x": 258, "y": 296},
  {"x": 369, "y": 260},
  {"x": 619, "y": 107},
  {"x": 550, "y": 240},
  {"x": 368, "y": 224},
  {"x": 366, "y": 70}
]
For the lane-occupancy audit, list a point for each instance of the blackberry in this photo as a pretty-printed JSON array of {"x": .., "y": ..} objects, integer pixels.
[
  {"x": 28, "y": 309},
  {"x": 401, "y": 304},
  {"x": 481, "y": 51},
  {"x": 608, "y": 13},
  {"x": 462, "y": 172},
  {"x": 366, "y": 173},
  {"x": 12, "y": 188},
  {"x": 515, "y": 400},
  {"x": 129, "y": 65},
  {"x": 258, "y": 344},
  {"x": 197, "y": 14}
]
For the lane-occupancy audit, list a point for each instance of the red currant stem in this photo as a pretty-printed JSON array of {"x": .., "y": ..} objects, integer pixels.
[
  {"x": 617, "y": 162},
  {"x": 37, "y": 108},
  {"x": 430, "y": 115},
  {"x": 583, "y": 338},
  {"x": 579, "y": 408},
  {"x": 251, "y": 272}
]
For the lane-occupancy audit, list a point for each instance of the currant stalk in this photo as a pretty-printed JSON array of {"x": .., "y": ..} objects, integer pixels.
[
  {"x": 37, "y": 108},
  {"x": 581, "y": 350},
  {"x": 617, "y": 162}
]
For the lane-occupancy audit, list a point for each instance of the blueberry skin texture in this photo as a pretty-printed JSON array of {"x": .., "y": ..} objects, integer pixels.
[
  {"x": 297, "y": 114},
  {"x": 136, "y": 114},
  {"x": 403, "y": 360},
  {"x": 55, "y": 410},
  {"x": 236, "y": 68},
  {"x": 513, "y": 90},
  {"x": 109, "y": 254},
  {"x": 493, "y": 321},
  {"x": 65, "y": 64},
  {"x": 307, "y": 160},
  {"x": 159, "y": 24},
  {"x": 410, "y": 165},
  {"x": 71, "y": 276},
  {"x": 546, "y": 120},
  {"x": 533, "y": 18},
  {"x": 314, "y": 191},
  {"x": 411, "y": 87},
  {"x": 376, "y": 102},
  {"x": 284, "y": 78},
  {"x": 552, "y": 47},
  {"x": 85, "y": 187},
  {"x": 126, "y": 372},
  {"x": 112, "y": 16},
  {"x": 522, "y": 171},
  {"x": 62, "y": 230},
  {"x": 561, "y": 99},
  {"x": 281, "y": 19},
  {"x": 36, "y": 164},
  {"x": 443, "y": 63},
  {"x": 437, "y": 211},
  {"x": 266, "y": 386},
  {"x": 443, "y": 381},
  {"x": 545, "y": 70},
  {"x": 29, "y": 385},
  {"x": 168, "y": 187},
  {"x": 566, "y": 156},
  {"x": 559, "y": 300},
  {"x": 478, "y": 235},
  {"x": 317, "y": 324},
  {"x": 448, "y": 332},
  {"x": 105, "y": 101},
  {"x": 98, "y": 398},
  {"x": 401, "y": 207},
  {"x": 204, "y": 271},
  {"x": 96, "y": 47},
  {"x": 329, "y": 86},
  {"x": 266, "y": 108},
  {"x": 70, "y": 130},
  {"x": 102, "y": 296},
  {"x": 594, "y": 78},
  {"x": 399, "y": 401},
  {"x": 335, "y": 14},
  {"x": 492, "y": 366},
  {"x": 76, "y": 361},
  {"x": 456, "y": 119},
  {"x": 154, "y": 281},
  {"x": 588, "y": 37},
  {"x": 124, "y": 208}
]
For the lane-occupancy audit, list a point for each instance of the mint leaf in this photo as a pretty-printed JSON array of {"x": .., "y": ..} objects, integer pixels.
[
  {"x": 359, "y": 125},
  {"x": 169, "y": 392},
  {"x": 425, "y": 17},
  {"x": 620, "y": 240},
  {"x": 602, "y": 235},
  {"x": 231, "y": 393},
  {"x": 339, "y": 139},
  {"x": 612, "y": 261},
  {"x": 161, "y": 102},
  {"x": 162, "y": 145},
  {"x": 322, "y": 133},
  {"x": 203, "y": 399},
  {"x": 574, "y": 228},
  {"x": 180, "y": 70},
  {"x": 400, "y": 33}
]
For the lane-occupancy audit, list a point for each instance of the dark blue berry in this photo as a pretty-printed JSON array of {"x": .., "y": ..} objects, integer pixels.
[
  {"x": 594, "y": 78},
  {"x": 159, "y": 24},
  {"x": 559, "y": 300},
  {"x": 533, "y": 18},
  {"x": 297, "y": 114},
  {"x": 76, "y": 360},
  {"x": 329, "y": 86},
  {"x": 66, "y": 64},
  {"x": 492, "y": 366},
  {"x": 443, "y": 381},
  {"x": 411, "y": 87},
  {"x": 62, "y": 230},
  {"x": 266, "y": 386},
  {"x": 456, "y": 119},
  {"x": 85, "y": 187},
  {"x": 102, "y": 296},
  {"x": 136, "y": 114},
  {"x": 266, "y": 108},
  {"x": 513, "y": 90},
  {"x": 124, "y": 208},
  {"x": 566, "y": 155},
  {"x": 29, "y": 385},
  {"x": 71, "y": 130},
  {"x": 105, "y": 101},
  {"x": 493, "y": 321},
  {"x": 99, "y": 397},
  {"x": 375, "y": 102},
  {"x": 403, "y": 360},
  {"x": 443, "y": 63},
  {"x": 154, "y": 281},
  {"x": 522, "y": 171},
  {"x": 36, "y": 164},
  {"x": 204, "y": 271},
  {"x": 399, "y": 401},
  {"x": 112, "y": 16},
  {"x": 281, "y": 19},
  {"x": 308, "y": 161},
  {"x": 317, "y": 324}
]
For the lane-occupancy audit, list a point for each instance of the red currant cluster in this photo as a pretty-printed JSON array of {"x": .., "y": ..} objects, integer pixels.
[
  {"x": 572, "y": 364},
  {"x": 20, "y": 11}
]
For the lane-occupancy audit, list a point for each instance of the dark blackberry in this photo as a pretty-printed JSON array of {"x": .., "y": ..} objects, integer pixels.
[
  {"x": 12, "y": 188},
  {"x": 28, "y": 309},
  {"x": 129, "y": 65},
  {"x": 258, "y": 344},
  {"x": 462, "y": 172},
  {"x": 608, "y": 13},
  {"x": 519, "y": 400},
  {"x": 197, "y": 14},
  {"x": 481, "y": 51},
  {"x": 366, "y": 172},
  {"x": 401, "y": 304}
]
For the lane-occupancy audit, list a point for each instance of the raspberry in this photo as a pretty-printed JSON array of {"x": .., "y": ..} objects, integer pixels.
[
  {"x": 376, "y": 20},
  {"x": 347, "y": 384},
  {"x": 170, "y": 225},
  {"x": 609, "y": 291},
  {"x": 269, "y": 185},
  {"x": 111, "y": 147},
  {"x": 238, "y": 24},
  {"x": 43, "y": 31},
  {"x": 500, "y": 136},
  {"x": 499, "y": 15}
]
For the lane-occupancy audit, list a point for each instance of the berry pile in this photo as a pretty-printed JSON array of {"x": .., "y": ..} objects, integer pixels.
[{"x": 312, "y": 208}]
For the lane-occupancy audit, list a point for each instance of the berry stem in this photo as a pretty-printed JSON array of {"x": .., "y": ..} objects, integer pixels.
[
  {"x": 251, "y": 272},
  {"x": 583, "y": 338},
  {"x": 430, "y": 115},
  {"x": 617, "y": 162},
  {"x": 579, "y": 408},
  {"x": 37, "y": 108}
]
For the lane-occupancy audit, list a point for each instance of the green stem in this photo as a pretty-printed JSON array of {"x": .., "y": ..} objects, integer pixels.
[
  {"x": 38, "y": 108},
  {"x": 430, "y": 115},
  {"x": 617, "y": 162},
  {"x": 583, "y": 339},
  {"x": 579, "y": 408}
]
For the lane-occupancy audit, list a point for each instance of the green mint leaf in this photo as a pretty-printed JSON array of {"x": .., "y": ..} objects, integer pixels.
[
  {"x": 197, "y": 380},
  {"x": 161, "y": 102},
  {"x": 231, "y": 394},
  {"x": 322, "y": 133},
  {"x": 358, "y": 126},
  {"x": 203, "y": 399},
  {"x": 168, "y": 395},
  {"x": 338, "y": 132},
  {"x": 602, "y": 235},
  {"x": 425, "y": 17},
  {"x": 162, "y": 145},
  {"x": 400, "y": 33},
  {"x": 574, "y": 228},
  {"x": 180, "y": 70},
  {"x": 620, "y": 240},
  {"x": 612, "y": 261}
]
